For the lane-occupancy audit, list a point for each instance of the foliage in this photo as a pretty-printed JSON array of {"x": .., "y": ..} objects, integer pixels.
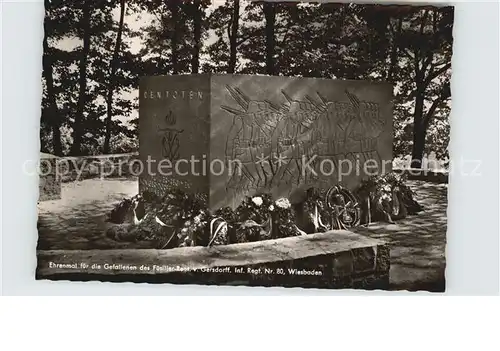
[
  {"x": 67, "y": 58},
  {"x": 122, "y": 143},
  {"x": 90, "y": 82},
  {"x": 283, "y": 219},
  {"x": 253, "y": 218},
  {"x": 387, "y": 198}
]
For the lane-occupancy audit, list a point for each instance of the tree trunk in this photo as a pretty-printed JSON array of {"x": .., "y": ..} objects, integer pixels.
[
  {"x": 235, "y": 18},
  {"x": 195, "y": 61},
  {"x": 270, "y": 15},
  {"x": 419, "y": 131},
  {"x": 174, "y": 11},
  {"x": 394, "y": 50},
  {"x": 54, "y": 117},
  {"x": 112, "y": 78},
  {"x": 419, "y": 134},
  {"x": 82, "y": 95},
  {"x": 422, "y": 60}
]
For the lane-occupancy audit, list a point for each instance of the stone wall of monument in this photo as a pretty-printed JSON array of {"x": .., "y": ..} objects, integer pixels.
[
  {"x": 174, "y": 128},
  {"x": 339, "y": 259}
]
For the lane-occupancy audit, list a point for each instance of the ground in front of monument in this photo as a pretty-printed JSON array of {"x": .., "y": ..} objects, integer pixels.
[{"x": 417, "y": 243}]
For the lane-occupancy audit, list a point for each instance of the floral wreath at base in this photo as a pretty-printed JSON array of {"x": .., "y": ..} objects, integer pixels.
[{"x": 180, "y": 219}]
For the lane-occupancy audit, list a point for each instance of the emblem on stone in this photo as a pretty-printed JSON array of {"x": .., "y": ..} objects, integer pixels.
[{"x": 170, "y": 138}]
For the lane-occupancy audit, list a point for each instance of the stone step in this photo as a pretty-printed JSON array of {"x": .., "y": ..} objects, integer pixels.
[{"x": 336, "y": 259}]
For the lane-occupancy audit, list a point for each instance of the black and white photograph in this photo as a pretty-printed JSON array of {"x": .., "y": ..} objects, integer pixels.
[{"x": 245, "y": 143}]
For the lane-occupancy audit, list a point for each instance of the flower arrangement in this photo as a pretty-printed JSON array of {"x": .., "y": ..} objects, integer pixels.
[
  {"x": 283, "y": 219},
  {"x": 180, "y": 219},
  {"x": 386, "y": 198},
  {"x": 342, "y": 208},
  {"x": 124, "y": 212},
  {"x": 407, "y": 195},
  {"x": 193, "y": 231},
  {"x": 253, "y": 218},
  {"x": 311, "y": 211},
  {"x": 227, "y": 215},
  {"x": 254, "y": 208},
  {"x": 218, "y": 232},
  {"x": 177, "y": 219}
]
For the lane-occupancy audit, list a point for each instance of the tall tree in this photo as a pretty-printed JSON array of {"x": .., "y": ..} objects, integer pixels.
[
  {"x": 264, "y": 36},
  {"x": 349, "y": 41},
  {"x": 197, "y": 15},
  {"x": 316, "y": 46},
  {"x": 233, "y": 36},
  {"x": 269, "y": 9},
  {"x": 53, "y": 111},
  {"x": 231, "y": 33},
  {"x": 428, "y": 49},
  {"x": 82, "y": 96},
  {"x": 53, "y": 114},
  {"x": 411, "y": 47},
  {"x": 168, "y": 40},
  {"x": 59, "y": 23},
  {"x": 174, "y": 9},
  {"x": 112, "y": 78},
  {"x": 395, "y": 30}
]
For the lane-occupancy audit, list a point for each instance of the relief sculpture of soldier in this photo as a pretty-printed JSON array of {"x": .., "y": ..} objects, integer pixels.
[
  {"x": 358, "y": 126},
  {"x": 296, "y": 136},
  {"x": 365, "y": 123},
  {"x": 250, "y": 141},
  {"x": 341, "y": 130}
]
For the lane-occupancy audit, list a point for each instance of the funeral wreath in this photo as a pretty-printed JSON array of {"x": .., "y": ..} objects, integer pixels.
[{"x": 181, "y": 219}]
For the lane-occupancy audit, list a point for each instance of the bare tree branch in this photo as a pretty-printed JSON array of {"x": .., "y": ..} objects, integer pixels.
[
  {"x": 424, "y": 20},
  {"x": 437, "y": 73},
  {"x": 408, "y": 53},
  {"x": 289, "y": 26},
  {"x": 248, "y": 36},
  {"x": 228, "y": 29},
  {"x": 445, "y": 95},
  {"x": 430, "y": 53}
]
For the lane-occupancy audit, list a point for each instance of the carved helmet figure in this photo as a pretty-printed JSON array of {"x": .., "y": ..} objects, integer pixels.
[{"x": 365, "y": 122}]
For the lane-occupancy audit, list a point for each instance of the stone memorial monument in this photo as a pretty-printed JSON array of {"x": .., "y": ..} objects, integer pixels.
[{"x": 228, "y": 136}]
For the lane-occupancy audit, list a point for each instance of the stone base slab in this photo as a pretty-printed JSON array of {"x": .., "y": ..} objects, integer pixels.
[{"x": 337, "y": 259}]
